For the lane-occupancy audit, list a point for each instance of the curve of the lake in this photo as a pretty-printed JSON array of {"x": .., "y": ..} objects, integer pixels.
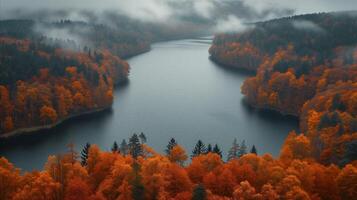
[{"x": 174, "y": 91}]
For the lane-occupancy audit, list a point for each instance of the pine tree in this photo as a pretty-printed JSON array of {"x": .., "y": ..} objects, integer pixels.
[
  {"x": 137, "y": 186},
  {"x": 199, "y": 193},
  {"x": 115, "y": 148},
  {"x": 209, "y": 148},
  {"x": 172, "y": 144},
  {"x": 233, "y": 152},
  {"x": 142, "y": 138},
  {"x": 199, "y": 149},
  {"x": 84, "y": 154},
  {"x": 135, "y": 148},
  {"x": 253, "y": 150},
  {"x": 124, "y": 147},
  {"x": 217, "y": 150},
  {"x": 242, "y": 149}
]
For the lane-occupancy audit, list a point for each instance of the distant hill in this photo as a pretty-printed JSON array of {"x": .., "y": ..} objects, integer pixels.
[{"x": 314, "y": 35}]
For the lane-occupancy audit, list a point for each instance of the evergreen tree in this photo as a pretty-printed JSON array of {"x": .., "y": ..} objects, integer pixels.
[
  {"x": 84, "y": 154},
  {"x": 233, "y": 152},
  {"x": 199, "y": 149},
  {"x": 217, "y": 150},
  {"x": 209, "y": 148},
  {"x": 135, "y": 148},
  {"x": 115, "y": 147},
  {"x": 124, "y": 147},
  {"x": 172, "y": 144},
  {"x": 199, "y": 193},
  {"x": 142, "y": 138},
  {"x": 137, "y": 186},
  {"x": 254, "y": 150},
  {"x": 242, "y": 149}
]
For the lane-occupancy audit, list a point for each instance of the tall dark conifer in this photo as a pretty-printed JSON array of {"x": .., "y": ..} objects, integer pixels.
[
  {"x": 199, "y": 149},
  {"x": 142, "y": 137},
  {"x": 84, "y": 154},
  {"x": 115, "y": 147},
  {"x": 217, "y": 150},
  {"x": 135, "y": 147},
  {"x": 209, "y": 148},
  {"x": 172, "y": 143},
  {"x": 253, "y": 150}
]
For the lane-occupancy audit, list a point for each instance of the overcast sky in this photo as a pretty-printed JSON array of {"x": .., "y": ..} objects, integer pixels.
[
  {"x": 226, "y": 14},
  {"x": 162, "y": 9}
]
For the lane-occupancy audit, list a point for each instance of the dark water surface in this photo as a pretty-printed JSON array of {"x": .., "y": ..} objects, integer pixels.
[{"x": 174, "y": 91}]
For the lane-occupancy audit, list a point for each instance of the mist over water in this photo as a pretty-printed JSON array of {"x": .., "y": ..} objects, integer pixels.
[{"x": 174, "y": 91}]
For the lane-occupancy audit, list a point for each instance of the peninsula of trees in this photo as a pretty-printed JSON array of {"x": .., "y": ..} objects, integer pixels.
[{"x": 305, "y": 66}]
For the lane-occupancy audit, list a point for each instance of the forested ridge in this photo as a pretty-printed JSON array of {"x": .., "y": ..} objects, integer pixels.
[
  {"x": 42, "y": 84},
  {"x": 51, "y": 71},
  {"x": 305, "y": 66},
  {"x": 133, "y": 170}
]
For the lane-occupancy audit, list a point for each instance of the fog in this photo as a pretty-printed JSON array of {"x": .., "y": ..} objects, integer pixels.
[{"x": 223, "y": 15}]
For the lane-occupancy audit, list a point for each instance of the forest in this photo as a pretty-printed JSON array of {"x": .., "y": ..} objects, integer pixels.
[
  {"x": 305, "y": 66},
  {"x": 135, "y": 171},
  {"x": 306, "y": 71},
  {"x": 42, "y": 84}
]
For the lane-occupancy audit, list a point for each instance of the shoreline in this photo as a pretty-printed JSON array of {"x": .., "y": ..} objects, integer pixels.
[
  {"x": 34, "y": 129},
  {"x": 248, "y": 71},
  {"x": 281, "y": 112}
]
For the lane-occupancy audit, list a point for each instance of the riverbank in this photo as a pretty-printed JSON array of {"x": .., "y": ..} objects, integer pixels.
[{"x": 34, "y": 129}]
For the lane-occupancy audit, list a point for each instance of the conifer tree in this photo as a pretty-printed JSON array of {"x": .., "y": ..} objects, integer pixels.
[
  {"x": 209, "y": 148},
  {"x": 142, "y": 137},
  {"x": 217, "y": 150},
  {"x": 199, "y": 149},
  {"x": 115, "y": 147},
  {"x": 84, "y": 154},
  {"x": 137, "y": 186},
  {"x": 172, "y": 143},
  {"x": 135, "y": 148},
  {"x": 253, "y": 150}
]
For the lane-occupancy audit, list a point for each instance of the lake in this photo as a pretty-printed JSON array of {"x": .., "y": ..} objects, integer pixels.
[{"x": 174, "y": 90}]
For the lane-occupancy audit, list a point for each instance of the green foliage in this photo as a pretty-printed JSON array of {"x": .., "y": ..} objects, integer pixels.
[
  {"x": 172, "y": 143},
  {"x": 199, "y": 193},
  {"x": 135, "y": 147},
  {"x": 199, "y": 149}
]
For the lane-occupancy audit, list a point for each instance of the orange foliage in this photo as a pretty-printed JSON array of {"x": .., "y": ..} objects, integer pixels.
[{"x": 114, "y": 176}]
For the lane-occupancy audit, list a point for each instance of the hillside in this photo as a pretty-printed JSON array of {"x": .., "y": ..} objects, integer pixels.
[
  {"x": 305, "y": 66},
  {"x": 315, "y": 36},
  {"x": 42, "y": 84}
]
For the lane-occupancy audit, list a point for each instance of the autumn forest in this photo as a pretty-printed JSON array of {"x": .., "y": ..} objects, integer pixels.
[{"x": 302, "y": 66}]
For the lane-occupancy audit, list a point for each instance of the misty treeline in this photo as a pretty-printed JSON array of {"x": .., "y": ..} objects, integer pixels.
[
  {"x": 134, "y": 171},
  {"x": 314, "y": 37}
]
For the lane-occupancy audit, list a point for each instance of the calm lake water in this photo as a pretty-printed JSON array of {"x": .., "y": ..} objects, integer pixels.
[{"x": 174, "y": 91}]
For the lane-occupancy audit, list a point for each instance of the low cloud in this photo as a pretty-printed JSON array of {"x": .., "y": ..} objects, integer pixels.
[
  {"x": 222, "y": 15},
  {"x": 307, "y": 26},
  {"x": 231, "y": 24}
]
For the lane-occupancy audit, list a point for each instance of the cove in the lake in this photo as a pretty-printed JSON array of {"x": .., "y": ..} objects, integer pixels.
[{"x": 175, "y": 90}]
